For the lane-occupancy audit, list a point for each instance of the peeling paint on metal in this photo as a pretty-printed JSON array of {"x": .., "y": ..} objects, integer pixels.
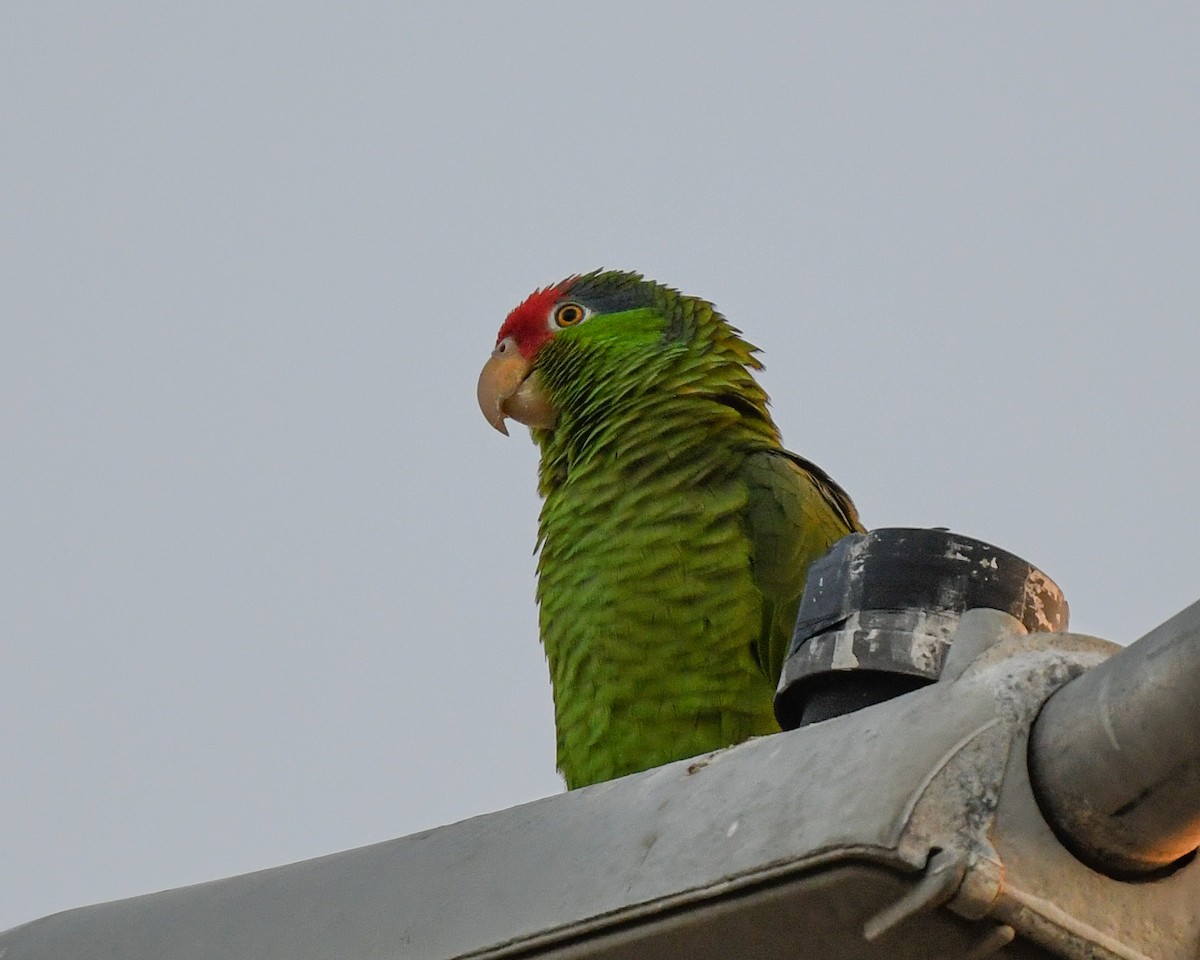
[{"x": 843, "y": 652}]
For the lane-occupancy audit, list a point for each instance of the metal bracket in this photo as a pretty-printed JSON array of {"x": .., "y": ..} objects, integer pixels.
[{"x": 943, "y": 875}]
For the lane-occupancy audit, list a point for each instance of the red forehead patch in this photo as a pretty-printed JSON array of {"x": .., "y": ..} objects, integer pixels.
[{"x": 529, "y": 324}]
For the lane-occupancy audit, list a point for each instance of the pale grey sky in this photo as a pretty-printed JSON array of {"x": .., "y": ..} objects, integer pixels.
[{"x": 267, "y": 584}]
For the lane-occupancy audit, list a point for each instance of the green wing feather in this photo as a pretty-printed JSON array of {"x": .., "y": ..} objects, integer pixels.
[{"x": 795, "y": 513}]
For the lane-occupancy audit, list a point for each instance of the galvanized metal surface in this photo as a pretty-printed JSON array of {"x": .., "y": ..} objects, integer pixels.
[
  {"x": 816, "y": 917},
  {"x": 797, "y": 846},
  {"x": 557, "y": 869},
  {"x": 1116, "y": 754},
  {"x": 1018, "y": 873}
]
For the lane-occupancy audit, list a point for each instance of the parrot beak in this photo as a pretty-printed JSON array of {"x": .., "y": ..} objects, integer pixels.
[{"x": 509, "y": 387}]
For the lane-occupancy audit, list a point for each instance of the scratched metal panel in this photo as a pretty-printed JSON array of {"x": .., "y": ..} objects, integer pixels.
[
  {"x": 782, "y": 847},
  {"x": 606, "y": 854}
]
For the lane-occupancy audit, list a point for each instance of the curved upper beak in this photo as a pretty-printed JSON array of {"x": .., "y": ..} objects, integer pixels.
[{"x": 509, "y": 387}]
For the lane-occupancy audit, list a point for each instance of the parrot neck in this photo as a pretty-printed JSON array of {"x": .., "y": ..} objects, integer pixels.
[{"x": 690, "y": 393}]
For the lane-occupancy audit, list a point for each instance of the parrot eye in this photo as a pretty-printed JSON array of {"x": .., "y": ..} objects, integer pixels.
[{"x": 570, "y": 313}]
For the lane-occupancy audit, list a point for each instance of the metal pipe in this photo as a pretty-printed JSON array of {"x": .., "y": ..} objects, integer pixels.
[{"x": 1115, "y": 754}]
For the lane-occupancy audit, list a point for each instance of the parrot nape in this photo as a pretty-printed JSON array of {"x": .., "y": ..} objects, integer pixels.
[{"x": 675, "y": 532}]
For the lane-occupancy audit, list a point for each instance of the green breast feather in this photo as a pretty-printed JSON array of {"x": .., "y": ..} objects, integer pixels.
[{"x": 675, "y": 532}]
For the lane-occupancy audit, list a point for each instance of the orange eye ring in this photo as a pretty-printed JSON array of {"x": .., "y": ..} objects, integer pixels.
[{"x": 568, "y": 314}]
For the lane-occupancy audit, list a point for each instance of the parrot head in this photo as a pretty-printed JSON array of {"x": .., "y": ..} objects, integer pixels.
[
  {"x": 565, "y": 347},
  {"x": 509, "y": 385}
]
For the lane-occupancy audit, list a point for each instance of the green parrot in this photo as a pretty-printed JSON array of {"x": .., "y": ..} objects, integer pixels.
[{"x": 675, "y": 532}]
